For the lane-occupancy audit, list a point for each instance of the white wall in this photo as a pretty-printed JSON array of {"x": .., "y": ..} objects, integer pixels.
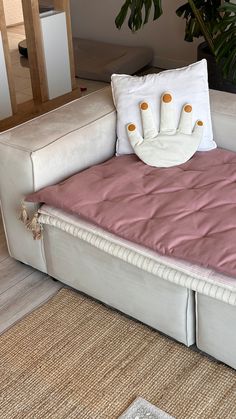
[{"x": 94, "y": 19}]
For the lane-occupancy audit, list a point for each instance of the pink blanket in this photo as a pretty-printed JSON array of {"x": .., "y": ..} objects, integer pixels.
[{"x": 187, "y": 212}]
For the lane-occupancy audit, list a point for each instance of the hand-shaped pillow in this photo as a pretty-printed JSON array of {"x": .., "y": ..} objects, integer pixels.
[
  {"x": 170, "y": 146},
  {"x": 186, "y": 84}
]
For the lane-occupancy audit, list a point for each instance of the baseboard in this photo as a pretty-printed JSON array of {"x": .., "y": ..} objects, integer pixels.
[{"x": 168, "y": 63}]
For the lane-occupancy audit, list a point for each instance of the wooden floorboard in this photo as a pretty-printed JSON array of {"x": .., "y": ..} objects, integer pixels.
[
  {"x": 3, "y": 248},
  {"x": 24, "y": 297},
  {"x": 3, "y": 245},
  {"x": 12, "y": 272},
  {"x": 22, "y": 288}
]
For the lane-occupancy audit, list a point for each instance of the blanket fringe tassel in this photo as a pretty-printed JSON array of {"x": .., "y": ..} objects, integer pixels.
[
  {"x": 33, "y": 225},
  {"x": 23, "y": 215}
]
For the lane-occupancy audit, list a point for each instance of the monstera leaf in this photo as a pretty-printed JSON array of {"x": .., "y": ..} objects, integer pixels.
[
  {"x": 213, "y": 19},
  {"x": 225, "y": 41},
  {"x": 139, "y": 13},
  {"x": 209, "y": 11}
]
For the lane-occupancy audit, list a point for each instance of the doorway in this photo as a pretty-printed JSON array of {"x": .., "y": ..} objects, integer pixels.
[{"x": 16, "y": 34}]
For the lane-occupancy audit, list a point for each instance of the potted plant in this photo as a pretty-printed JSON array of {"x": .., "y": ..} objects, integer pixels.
[{"x": 213, "y": 19}]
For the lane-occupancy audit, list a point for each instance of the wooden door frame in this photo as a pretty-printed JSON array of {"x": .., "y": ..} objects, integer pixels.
[
  {"x": 40, "y": 104},
  {"x": 35, "y": 50}
]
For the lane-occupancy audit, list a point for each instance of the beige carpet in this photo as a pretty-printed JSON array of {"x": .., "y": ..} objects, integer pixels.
[{"x": 74, "y": 358}]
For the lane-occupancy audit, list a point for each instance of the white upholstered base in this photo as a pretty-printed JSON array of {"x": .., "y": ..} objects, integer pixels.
[
  {"x": 216, "y": 322},
  {"x": 178, "y": 272},
  {"x": 167, "y": 307}
]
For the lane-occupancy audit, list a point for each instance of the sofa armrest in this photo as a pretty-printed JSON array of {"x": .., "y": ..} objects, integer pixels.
[
  {"x": 46, "y": 150},
  {"x": 223, "y": 111}
]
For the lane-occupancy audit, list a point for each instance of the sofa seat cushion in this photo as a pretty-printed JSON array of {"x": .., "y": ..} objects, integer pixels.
[
  {"x": 186, "y": 211},
  {"x": 205, "y": 281}
]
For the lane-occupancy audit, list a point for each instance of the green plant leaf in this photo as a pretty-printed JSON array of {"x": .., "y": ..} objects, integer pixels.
[
  {"x": 228, "y": 7},
  {"x": 148, "y": 6},
  {"x": 120, "y": 18},
  {"x": 204, "y": 28},
  {"x": 225, "y": 41},
  {"x": 215, "y": 20},
  {"x": 157, "y": 9},
  {"x": 140, "y": 11}
]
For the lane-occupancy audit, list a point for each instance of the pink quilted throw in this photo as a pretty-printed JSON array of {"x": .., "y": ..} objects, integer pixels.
[{"x": 187, "y": 212}]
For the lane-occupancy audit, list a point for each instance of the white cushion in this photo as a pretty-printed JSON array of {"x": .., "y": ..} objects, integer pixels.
[{"x": 188, "y": 85}]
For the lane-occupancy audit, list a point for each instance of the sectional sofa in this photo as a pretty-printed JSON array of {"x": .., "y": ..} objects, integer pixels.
[{"x": 186, "y": 302}]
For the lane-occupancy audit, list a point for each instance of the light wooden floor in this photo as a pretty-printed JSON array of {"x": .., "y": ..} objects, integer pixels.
[{"x": 22, "y": 288}]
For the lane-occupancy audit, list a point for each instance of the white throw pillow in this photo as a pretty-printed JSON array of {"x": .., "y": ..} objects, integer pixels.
[{"x": 188, "y": 85}]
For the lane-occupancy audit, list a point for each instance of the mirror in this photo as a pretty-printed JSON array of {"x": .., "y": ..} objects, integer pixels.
[
  {"x": 16, "y": 34},
  {"x": 18, "y": 47}
]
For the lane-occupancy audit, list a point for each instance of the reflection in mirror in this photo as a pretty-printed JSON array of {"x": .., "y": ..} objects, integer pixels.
[
  {"x": 16, "y": 34},
  {"x": 45, "y": 5},
  {"x": 18, "y": 46}
]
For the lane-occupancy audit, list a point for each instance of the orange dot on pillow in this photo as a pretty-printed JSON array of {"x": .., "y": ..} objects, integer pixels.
[
  {"x": 144, "y": 106},
  {"x": 200, "y": 123},
  {"x": 167, "y": 98},
  {"x": 131, "y": 127},
  {"x": 188, "y": 108}
]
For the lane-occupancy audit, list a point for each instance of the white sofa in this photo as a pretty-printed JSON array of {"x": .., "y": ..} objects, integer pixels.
[{"x": 128, "y": 277}]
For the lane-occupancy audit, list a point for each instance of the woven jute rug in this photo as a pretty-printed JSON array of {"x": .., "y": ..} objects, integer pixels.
[{"x": 74, "y": 358}]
